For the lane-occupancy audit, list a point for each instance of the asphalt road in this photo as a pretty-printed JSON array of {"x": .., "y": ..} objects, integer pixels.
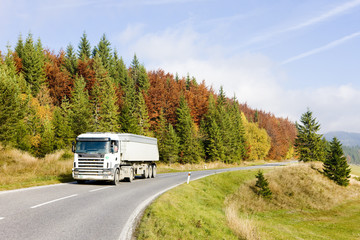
[{"x": 86, "y": 211}]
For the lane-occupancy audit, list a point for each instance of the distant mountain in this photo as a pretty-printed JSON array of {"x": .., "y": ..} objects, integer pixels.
[{"x": 348, "y": 139}]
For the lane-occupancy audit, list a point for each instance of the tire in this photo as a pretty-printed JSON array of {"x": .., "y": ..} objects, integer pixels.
[
  {"x": 80, "y": 181},
  {"x": 116, "y": 178},
  {"x": 146, "y": 173},
  {"x": 150, "y": 171},
  {"x": 153, "y": 171},
  {"x": 131, "y": 178}
]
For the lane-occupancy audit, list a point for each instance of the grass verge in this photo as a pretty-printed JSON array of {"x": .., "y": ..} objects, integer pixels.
[
  {"x": 305, "y": 205},
  {"x": 19, "y": 169},
  {"x": 193, "y": 211}
]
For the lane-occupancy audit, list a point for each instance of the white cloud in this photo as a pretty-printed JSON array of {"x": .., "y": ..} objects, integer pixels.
[
  {"x": 131, "y": 32},
  {"x": 254, "y": 78}
]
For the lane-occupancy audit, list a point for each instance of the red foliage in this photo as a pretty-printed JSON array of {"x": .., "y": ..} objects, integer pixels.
[
  {"x": 85, "y": 69},
  {"x": 58, "y": 78}
]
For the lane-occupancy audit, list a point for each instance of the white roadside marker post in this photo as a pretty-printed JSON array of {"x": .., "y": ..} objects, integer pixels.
[{"x": 188, "y": 179}]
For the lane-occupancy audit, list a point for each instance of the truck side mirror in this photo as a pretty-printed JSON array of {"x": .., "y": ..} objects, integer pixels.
[{"x": 73, "y": 147}]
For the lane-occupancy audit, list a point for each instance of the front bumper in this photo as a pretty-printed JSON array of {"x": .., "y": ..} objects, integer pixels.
[{"x": 106, "y": 174}]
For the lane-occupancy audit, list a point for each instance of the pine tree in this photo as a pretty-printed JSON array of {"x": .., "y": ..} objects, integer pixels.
[
  {"x": 84, "y": 51},
  {"x": 103, "y": 49},
  {"x": 47, "y": 139},
  {"x": 142, "y": 115},
  {"x": 63, "y": 133},
  {"x": 139, "y": 75},
  {"x": 71, "y": 60},
  {"x": 262, "y": 186},
  {"x": 33, "y": 64},
  {"x": 128, "y": 117},
  {"x": 19, "y": 49},
  {"x": 190, "y": 151},
  {"x": 11, "y": 111},
  {"x": 335, "y": 166},
  {"x": 104, "y": 101},
  {"x": 213, "y": 143},
  {"x": 168, "y": 141},
  {"x": 308, "y": 142},
  {"x": 81, "y": 116},
  {"x": 118, "y": 70}
]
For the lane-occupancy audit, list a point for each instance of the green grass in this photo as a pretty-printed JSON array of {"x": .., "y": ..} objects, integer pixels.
[
  {"x": 355, "y": 169},
  {"x": 193, "y": 211},
  {"x": 341, "y": 222},
  {"x": 200, "y": 210}
]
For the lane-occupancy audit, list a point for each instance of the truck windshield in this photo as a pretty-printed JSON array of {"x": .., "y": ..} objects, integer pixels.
[{"x": 93, "y": 147}]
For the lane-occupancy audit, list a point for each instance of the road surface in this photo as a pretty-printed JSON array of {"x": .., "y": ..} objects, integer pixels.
[{"x": 86, "y": 211}]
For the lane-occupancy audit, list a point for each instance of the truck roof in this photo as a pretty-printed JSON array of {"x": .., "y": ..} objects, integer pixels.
[{"x": 126, "y": 137}]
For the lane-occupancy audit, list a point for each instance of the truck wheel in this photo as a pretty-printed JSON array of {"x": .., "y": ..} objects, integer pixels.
[
  {"x": 154, "y": 171},
  {"x": 150, "y": 171},
  {"x": 116, "y": 178},
  {"x": 131, "y": 178}
]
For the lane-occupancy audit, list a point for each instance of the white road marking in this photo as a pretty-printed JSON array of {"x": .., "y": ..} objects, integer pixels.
[
  {"x": 55, "y": 200},
  {"x": 1, "y": 218},
  {"x": 98, "y": 189}
]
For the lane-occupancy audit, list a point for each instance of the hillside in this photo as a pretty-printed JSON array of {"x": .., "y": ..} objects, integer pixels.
[
  {"x": 53, "y": 97},
  {"x": 350, "y": 142},
  {"x": 348, "y": 139},
  {"x": 305, "y": 205}
]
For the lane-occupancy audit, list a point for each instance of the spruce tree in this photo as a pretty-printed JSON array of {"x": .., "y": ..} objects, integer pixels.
[
  {"x": 104, "y": 101},
  {"x": 142, "y": 114},
  {"x": 71, "y": 60},
  {"x": 128, "y": 117},
  {"x": 11, "y": 111},
  {"x": 81, "y": 116},
  {"x": 262, "y": 186},
  {"x": 168, "y": 141},
  {"x": 84, "y": 51},
  {"x": 63, "y": 133},
  {"x": 118, "y": 70},
  {"x": 103, "y": 49},
  {"x": 213, "y": 143},
  {"x": 308, "y": 142},
  {"x": 47, "y": 139},
  {"x": 190, "y": 151},
  {"x": 335, "y": 166},
  {"x": 139, "y": 75},
  {"x": 19, "y": 48},
  {"x": 33, "y": 64}
]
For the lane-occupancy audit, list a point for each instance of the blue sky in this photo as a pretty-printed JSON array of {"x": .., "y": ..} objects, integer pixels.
[{"x": 278, "y": 56}]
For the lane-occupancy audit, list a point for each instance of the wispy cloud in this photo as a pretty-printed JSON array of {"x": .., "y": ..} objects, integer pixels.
[
  {"x": 341, "y": 9},
  {"x": 323, "y": 48}
]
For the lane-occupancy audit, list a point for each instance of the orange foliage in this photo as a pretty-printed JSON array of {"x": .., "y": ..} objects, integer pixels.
[
  {"x": 85, "y": 69},
  {"x": 57, "y": 77}
]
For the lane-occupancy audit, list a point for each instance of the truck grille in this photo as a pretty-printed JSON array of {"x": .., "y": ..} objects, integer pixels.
[{"x": 90, "y": 166}]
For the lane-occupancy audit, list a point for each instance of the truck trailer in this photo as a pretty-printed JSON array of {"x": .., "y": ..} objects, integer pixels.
[{"x": 114, "y": 156}]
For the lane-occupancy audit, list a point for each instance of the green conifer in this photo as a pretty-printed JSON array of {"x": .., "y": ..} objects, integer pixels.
[
  {"x": 190, "y": 151},
  {"x": 84, "y": 51},
  {"x": 103, "y": 49},
  {"x": 33, "y": 64},
  {"x": 308, "y": 142},
  {"x": 63, "y": 133},
  {"x": 335, "y": 166},
  {"x": 71, "y": 60},
  {"x": 81, "y": 115},
  {"x": 262, "y": 186}
]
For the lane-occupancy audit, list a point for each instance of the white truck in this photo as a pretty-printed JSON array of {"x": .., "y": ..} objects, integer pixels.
[{"x": 114, "y": 157}]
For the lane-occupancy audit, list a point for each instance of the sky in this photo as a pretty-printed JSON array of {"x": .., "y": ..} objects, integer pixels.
[{"x": 283, "y": 56}]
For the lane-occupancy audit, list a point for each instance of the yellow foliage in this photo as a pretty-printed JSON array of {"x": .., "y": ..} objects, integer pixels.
[{"x": 258, "y": 139}]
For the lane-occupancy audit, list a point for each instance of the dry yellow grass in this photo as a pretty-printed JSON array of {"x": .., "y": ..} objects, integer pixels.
[
  {"x": 297, "y": 187},
  {"x": 162, "y": 167},
  {"x": 20, "y": 169}
]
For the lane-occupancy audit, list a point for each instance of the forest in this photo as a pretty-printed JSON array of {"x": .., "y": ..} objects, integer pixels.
[{"x": 47, "y": 98}]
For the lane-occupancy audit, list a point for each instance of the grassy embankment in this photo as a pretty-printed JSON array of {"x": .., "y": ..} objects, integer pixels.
[
  {"x": 19, "y": 169},
  {"x": 305, "y": 205}
]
